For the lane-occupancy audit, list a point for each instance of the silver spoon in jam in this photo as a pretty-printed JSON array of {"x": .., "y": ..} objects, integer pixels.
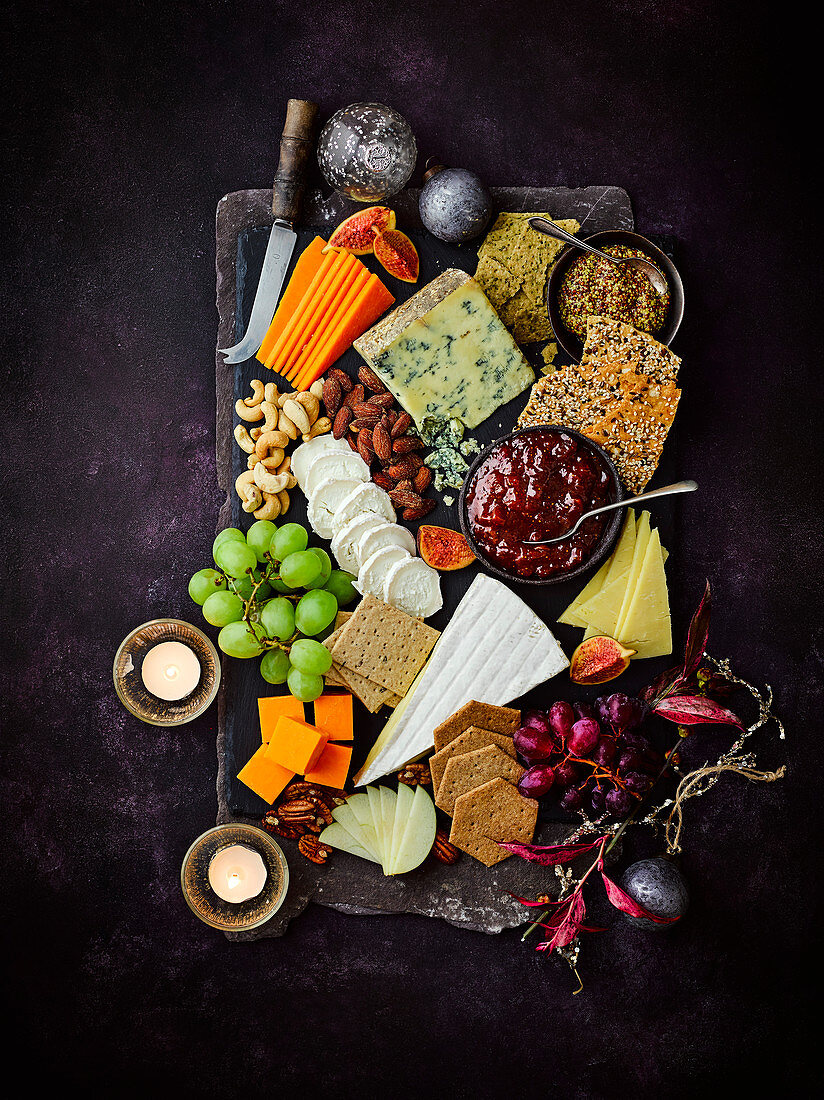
[
  {"x": 665, "y": 491},
  {"x": 646, "y": 267}
]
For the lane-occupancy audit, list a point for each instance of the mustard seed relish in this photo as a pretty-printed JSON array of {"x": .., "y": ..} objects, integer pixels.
[{"x": 595, "y": 287}]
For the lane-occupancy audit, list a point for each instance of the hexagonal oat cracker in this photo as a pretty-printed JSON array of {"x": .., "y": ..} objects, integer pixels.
[{"x": 492, "y": 812}]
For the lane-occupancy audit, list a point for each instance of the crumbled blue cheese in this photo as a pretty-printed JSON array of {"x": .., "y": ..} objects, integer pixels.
[
  {"x": 456, "y": 360},
  {"x": 446, "y": 460}
]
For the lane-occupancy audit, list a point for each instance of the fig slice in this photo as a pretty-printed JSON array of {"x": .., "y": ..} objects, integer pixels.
[
  {"x": 599, "y": 659},
  {"x": 357, "y": 233},
  {"x": 444, "y": 549},
  {"x": 397, "y": 254}
]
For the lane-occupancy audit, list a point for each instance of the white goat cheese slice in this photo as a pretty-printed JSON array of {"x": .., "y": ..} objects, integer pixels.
[
  {"x": 414, "y": 587},
  {"x": 304, "y": 455},
  {"x": 336, "y": 464},
  {"x": 365, "y": 497},
  {"x": 346, "y": 543},
  {"x": 493, "y": 650},
  {"x": 325, "y": 500},
  {"x": 376, "y": 569},
  {"x": 374, "y": 538}
]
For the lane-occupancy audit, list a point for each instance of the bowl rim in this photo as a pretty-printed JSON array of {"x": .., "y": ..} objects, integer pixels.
[
  {"x": 608, "y": 538},
  {"x": 173, "y": 723},
  {"x": 568, "y": 340}
]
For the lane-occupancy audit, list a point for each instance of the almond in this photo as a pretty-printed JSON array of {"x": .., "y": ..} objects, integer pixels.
[
  {"x": 342, "y": 379},
  {"x": 354, "y": 397},
  {"x": 405, "y": 498},
  {"x": 371, "y": 380},
  {"x": 422, "y": 479},
  {"x": 365, "y": 449},
  {"x": 420, "y": 510},
  {"x": 382, "y": 443},
  {"x": 341, "y": 422},
  {"x": 381, "y": 400},
  {"x": 406, "y": 443},
  {"x": 332, "y": 396},
  {"x": 384, "y": 481},
  {"x": 400, "y": 426},
  {"x": 366, "y": 411}
]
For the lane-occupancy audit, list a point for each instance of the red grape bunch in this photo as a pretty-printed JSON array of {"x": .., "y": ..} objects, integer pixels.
[{"x": 590, "y": 757}]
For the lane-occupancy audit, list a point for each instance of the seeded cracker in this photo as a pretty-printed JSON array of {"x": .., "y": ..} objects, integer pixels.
[
  {"x": 471, "y": 769},
  {"x": 494, "y": 811},
  {"x": 473, "y": 738},
  {"x": 504, "y": 720},
  {"x": 384, "y": 645},
  {"x": 371, "y": 695},
  {"x": 623, "y": 396},
  {"x": 514, "y": 263}
]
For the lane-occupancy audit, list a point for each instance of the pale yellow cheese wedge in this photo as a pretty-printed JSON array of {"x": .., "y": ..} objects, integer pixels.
[
  {"x": 620, "y": 559},
  {"x": 642, "y": 536},
  {"x": 646, "y": 627},
  {"x": 590, "y": 631}
]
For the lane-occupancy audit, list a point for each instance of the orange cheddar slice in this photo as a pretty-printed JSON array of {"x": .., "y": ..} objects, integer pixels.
[
  {"x": 296, "y": 745},
  {"x": 300, "y": 309},
  {"x": 326, "y": 303},
  {"x": 265, "y": 776},
  {"x": 332, "y": 768},
  {"x": 333, "y": 715},
  {"x": 348, "y": 291},
  {"x": 305, "y": 270},
  {"x": 274, "y": 707},
  {"x": 298, "y": 325}
]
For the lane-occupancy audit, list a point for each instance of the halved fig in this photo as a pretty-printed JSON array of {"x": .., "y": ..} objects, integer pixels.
[
  {"x": 398, "y": 255},
  {"x": 444, "y": 549},
  {"x": 357, "y": 233},
  {"x": 599, "y": 659}
]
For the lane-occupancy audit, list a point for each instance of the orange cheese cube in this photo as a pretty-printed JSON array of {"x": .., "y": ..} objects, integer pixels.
[
  {"x": 333, "y": 714},
  {"x": 274, "y": 707},
  {"x": 333, "y": 767},
  {"x": 296, "y": 745},
  {"x": 265, "y": 776}
]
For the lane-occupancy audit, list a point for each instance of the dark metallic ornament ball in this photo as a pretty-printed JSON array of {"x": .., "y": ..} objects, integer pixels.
[
  {"x": 656, "y": 884},
  {"x": 454, "y": 205}
]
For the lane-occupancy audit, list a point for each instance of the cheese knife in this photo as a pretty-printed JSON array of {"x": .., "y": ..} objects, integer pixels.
[{"x": 287, "y": 193}]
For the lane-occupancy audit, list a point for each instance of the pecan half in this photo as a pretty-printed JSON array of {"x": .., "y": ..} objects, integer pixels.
[
  {"x": 416, "y": 775},
  {"x": 272, "y": 823},
  {"x": 442, "y": 850},
  {"x": 312, "y": 848},
  {"x": 371, "y": 380},
  {"x": 342, "y": 378}
]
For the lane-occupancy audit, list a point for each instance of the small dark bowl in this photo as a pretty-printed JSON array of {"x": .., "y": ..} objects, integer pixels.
[
  {"x": 568, "y": 340},
  {"x": 602, "y": 548}
]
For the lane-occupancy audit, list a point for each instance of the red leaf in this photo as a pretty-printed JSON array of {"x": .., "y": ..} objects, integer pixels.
[
  {"x": 621, "y": 900},
  {"x": 538, "y": 904},
  {"x": 694, "y": 710},
  {"x": 697, "y": 634},
  {"x": 550, "y": 854},
  {"x": 567, "y": 929},
  {"x": 661, "y": 684}
]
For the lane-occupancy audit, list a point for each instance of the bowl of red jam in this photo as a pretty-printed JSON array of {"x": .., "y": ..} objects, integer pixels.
[
  {"x": 583, "y": 285},
  {"x": 535, "y": 484}
]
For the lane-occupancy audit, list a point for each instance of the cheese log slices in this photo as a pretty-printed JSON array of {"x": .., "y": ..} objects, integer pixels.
[
  {"x": 304, "y": 455},
  {"x": 374, "y": 573},
  {"x": 336, "y": 464},
  {"x": 446, "y": 353},
  {"x": 493, "y": 650},
  {"x": 346, "y": 543},
  {"x": 414, "y": 587},
  {"x": 367, "y": 497}
]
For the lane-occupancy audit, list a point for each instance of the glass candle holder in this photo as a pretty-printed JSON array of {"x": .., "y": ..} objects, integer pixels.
[
  {"x": 231, "y": 916},
  {"x": 132, "y": 691}
]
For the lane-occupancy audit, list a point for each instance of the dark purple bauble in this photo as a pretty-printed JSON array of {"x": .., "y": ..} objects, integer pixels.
[
  {"x": 658, "y": 886},
  {"x": 455, "y": 206}
]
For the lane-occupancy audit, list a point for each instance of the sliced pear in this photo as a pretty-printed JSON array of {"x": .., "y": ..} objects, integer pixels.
[
  {"x": 349, "y": 820},
  {"x": 388, "y": 802},
  {"x": 403, "y": 807},
  {"x": 337, "y": 837},
  {"x": 418, "y": 836}
]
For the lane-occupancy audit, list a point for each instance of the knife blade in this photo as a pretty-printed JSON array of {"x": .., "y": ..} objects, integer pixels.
[{"x": 287, "y": 193}]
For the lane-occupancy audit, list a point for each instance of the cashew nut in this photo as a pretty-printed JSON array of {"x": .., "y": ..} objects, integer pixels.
[
  {"x": 317, "y": 388},
  {"x": 270, "y": 393},
  {"x": 283, "y": 498},
  {"x": 245, "y": 413},
  {"x": 270, "y": 509},
  {"x": 253, "y": 500},
  {"x": 298, "y": 415},
  {"x": 252, "y": 461},
  {"x": 271, "y": 413},
  {"x": 287, "y": 425},
  {"x": 269, "y": 482},
  {"x": 285, "y": 466},
  {"x": 243, "y": 439},
  {"x": 248, "y": 491},
  {"x": 256, "y": 433},
  {"x": 322, "y": 424},
  {"x": 274, "y": 460},
  {"x": 310, "y": 404},
  {"x": 271, "y": 440},
  {"x": 282, "y": 398},
  {"x": 257, "y": 393}
]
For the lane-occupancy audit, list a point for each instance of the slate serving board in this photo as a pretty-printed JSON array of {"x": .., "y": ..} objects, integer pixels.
[{"x": 467, "y": 894}]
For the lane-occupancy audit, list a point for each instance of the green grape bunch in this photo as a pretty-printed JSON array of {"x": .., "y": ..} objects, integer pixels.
[{"x": 275, "y": 597}]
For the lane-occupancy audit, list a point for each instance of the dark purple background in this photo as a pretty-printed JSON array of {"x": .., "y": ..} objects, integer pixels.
[{"x": 126, "y": 128}]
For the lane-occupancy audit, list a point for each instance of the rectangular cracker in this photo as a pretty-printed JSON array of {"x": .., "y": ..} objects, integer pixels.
[
  {"x": 370, "y": 694},
  {"x": 384, "y": 644},
  {"x": 472, "y": 738},
  {"x": 489, "y": 813},
  {"x": 504, "y": 720},
  {"x": 472, "y": 769}
]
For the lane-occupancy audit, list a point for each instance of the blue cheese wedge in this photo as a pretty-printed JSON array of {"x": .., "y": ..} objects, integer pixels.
[
  {"x": 494, "y": 650},
  {"x": 446, "y": 353}
]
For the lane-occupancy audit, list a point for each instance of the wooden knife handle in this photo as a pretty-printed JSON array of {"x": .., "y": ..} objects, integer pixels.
[{"x": 295, "y": 149}]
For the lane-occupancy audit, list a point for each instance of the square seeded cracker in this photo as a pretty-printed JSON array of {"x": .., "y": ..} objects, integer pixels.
[
  {"x": 472, "y": 738},
  {"x": 471, "y": 769},
  {"x": 384, "y": 644},
  {"x": 489, "y": 813},
  {"x": 371, "y": 695},
  {"x": 487, "y": 716}
]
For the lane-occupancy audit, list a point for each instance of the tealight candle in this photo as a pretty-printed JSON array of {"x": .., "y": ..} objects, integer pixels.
[
  {"x": 237, "y": 873},
  {"x": 171, "y": 670}
]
